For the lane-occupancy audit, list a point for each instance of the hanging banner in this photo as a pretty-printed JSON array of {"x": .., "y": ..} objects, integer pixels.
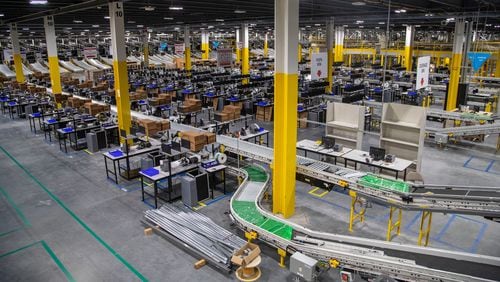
[
  {"x": 179, "y": 48},
  {"x": 90, "y": 52},
  {"x": 319, "y": 66},
  {"x": 477, "y": 59},
  {"x": 224, "y": 57},
  {"x": 423, "y": 65}
]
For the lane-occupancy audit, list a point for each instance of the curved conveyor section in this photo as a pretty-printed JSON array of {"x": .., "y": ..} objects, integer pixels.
[
  {"x": 246, "y": 209},
  {"x": 6, "y": 71}
]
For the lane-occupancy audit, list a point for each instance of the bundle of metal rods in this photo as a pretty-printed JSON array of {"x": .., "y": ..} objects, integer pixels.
[{"x": 197, "y": 231}]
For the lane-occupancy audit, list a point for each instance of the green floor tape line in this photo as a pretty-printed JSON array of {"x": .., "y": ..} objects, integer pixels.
[
  {"x": 248, "y": 211},
  {"x": 77, "y": 219},
  {"x": 16, "y": 208},
  {"x": 376, "y": 182},
  {"x": 49, "y": 251}
]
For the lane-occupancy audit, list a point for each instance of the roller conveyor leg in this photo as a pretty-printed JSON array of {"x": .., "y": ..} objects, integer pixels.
[
  {"x": 282, "y": 254},
  {"x": 424, "y": 231},
  {"x": 354, "y": 215},
  {"x": 396, "y": 225}
]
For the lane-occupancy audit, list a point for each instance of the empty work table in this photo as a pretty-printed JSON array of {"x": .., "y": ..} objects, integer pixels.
[
  {"x": 117, "y": 155},
  {"x": 73, "y": 135},
  {"x": 156, "y": 175},
  {"x": 313, "y": 147},
  {"x": 256, "y": 137},
  {"x": 357, "y": 156},
  {"x": 212, "y": 171}
]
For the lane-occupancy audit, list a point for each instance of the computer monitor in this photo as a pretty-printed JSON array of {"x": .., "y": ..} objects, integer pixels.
[
  {"x": 377, "y": 154},
  {"x": 176, "y": 146},
  {"x": 166, "y": 148},
  {"x": 328, "y": 142}
]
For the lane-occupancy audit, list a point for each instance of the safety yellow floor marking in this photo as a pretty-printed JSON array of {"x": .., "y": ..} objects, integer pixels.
[
  {"x": 88, "y": 152},
  {"x": 200, "y": 206},
  {"x": 322, "y": 194},
  {"x": 148, "y": 184}
]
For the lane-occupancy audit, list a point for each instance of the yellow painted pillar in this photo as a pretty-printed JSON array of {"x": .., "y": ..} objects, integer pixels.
[
  {"x": 238, "y": 49},
  {"x": 285, "y": 106},
  {"x": 350, "y": 60},
  {"x": 266, "y": 50},
  {"x": 245, "y": 53},
  {"x": 339, "y": 44},
  {"x": 299, "y": 53},
  {"x": 187, "y": 49},
  {"x": 410, "y": 31},
  {"x": 120, "y": 67},
  {"x": 382, "y": 59},
  {"x": 16, "y": 53},
  {"x": 204, "y": 45},
  {"x": 456, "y": 62},
  {"x": 497, "y": 67},
  {"x": 330, "y": 35},
  {"x": 145, "y": 50},
  {"x": 50, "y": 38}
]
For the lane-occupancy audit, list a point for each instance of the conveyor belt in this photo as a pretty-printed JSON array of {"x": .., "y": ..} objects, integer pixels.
[{"x": 292, "y": 237}]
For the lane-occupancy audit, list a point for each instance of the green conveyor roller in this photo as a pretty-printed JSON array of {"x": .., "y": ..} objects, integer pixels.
[{"x": 376, "y": 182}]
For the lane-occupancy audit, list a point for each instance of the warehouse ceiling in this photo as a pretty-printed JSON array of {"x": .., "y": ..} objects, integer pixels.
[{"x": 165, "y": 15}]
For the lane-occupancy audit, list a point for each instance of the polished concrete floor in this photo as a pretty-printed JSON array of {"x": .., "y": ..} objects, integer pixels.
[{"x": 62, "y": 219}]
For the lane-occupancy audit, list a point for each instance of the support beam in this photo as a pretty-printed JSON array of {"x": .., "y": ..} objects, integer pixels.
[
  {"x": 238, "y": 49},
  {"x": 266, "y": 49},
  {"x": 245, "y": 53},
  {"x": 456, "y": 61},
  {"x": 120, "y": 67},
  {"x": 16, "y": 53},
  {"x": 145, "y": 48},
  {"x": 187, "y": 49},
  {"x": 205, "y": 48},
  {"x": 50, "y": 38},
  {"x": 497, "y": 67},
  {"x": 330, "y": 35},
  {"x": 410, "y": 32},
  {"x": 286, "y": 20},
  {"x": 339, "y": 44}
]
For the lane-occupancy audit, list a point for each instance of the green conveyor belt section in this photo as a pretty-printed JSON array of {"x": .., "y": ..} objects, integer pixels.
[
  {"x": 256, "y": 174},
  {"x": 376, "y": 182},
  {"x": 248, "y": 210},
  {"x": 475, "y": 116}
]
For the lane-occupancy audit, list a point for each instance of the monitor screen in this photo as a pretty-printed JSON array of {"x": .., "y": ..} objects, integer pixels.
[
  {"x": 328, "y": 142},
  {"x": 377, "y": 153}
]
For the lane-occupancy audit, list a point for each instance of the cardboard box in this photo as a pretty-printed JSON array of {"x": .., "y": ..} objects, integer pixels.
[
  {"x": 165, "y": 124},
  {"x": 210, "y": 137},
  {"x": 221, "y": 117},
  {"x": 241, "y": 259}
]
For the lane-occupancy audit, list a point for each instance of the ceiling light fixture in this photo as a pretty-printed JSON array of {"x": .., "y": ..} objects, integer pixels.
[
  {"x": 38, "y": 2},
  {"x": 78, "y": 21},
  {"x": 106, "y": 17},
  {"x": 131, "y": 22},
  {"x": 429, "y": 15},
  {"x": 149, "y": 8},
  {"x": 359, "y": 22},
  {"x": 381, "y": 22},
  {"x": 358, "y": 3},
  {"x": 140, "y": 25},
  {"x": 175, "y": 8},
  {"x": 168, "y": 18},
  {"x": 239, "y": 11},
  {"x": 219, "y": 20},
  {"x": 2, "y": 15},
  {"x": 95, "y": 25},
  {"x": 317, "y": 24}
]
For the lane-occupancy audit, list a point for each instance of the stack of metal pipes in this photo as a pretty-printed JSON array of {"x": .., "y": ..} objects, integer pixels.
[{"x": 197, "y": 231}]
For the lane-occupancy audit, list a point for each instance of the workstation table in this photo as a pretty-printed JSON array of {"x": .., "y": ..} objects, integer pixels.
[
  {"x": 212, "y": 175},
  {"x": 65, "y": 133},
  {"x": 310, "y": 146},
  {"x": 117, "y": 155},
  {"x": 256, "y": 137},
  {"x": 51, "y": 125},
  {"x": 156, "y": 175},
  {"x": 358, "y": 156}
]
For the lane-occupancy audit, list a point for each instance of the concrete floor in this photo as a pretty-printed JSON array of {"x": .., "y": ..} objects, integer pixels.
[{"x": 62, "y": 219}]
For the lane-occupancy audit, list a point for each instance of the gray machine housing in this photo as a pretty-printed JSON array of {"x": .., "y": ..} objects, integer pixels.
[{"x": 304, "y": 267}]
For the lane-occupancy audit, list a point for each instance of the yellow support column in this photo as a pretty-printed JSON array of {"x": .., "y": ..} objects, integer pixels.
[
  {"x": 410, "y": 31},
  {"x": 330, "y": 35},
  {"x": 266, "y": 50},
  {"x": 497, "y": 67},
  {"x": 120, "y": 67},
  {"x": 238, "y": 49},
  {"x": 339, "y": 44},
  {"x": 245, "y": 53},
  {"x": 299, "y": 53},
  {"x": 145, "y": 50},
  {"x": 396, "y": 225},
  {"x": 285, "y": 105},
  {"x": 456, "y": 62},
  {"x": 50, "y": 38},
  {"x": 205, "y": 48},
  {"x": 16, "y": 53},
  {"x": 187, "y": 49},
  {"x": 425, "y": 231},
  {"x": 350, "y": 60}
]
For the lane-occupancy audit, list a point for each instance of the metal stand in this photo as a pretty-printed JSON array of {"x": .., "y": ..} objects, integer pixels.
[
  {"x": 424, "y": 233},
  {"x": 396, "y": 225}
]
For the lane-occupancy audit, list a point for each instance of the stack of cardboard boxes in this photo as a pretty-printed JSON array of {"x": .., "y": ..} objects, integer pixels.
[
  {"x": 136, "y": 96},
  {"x": 162, "y": 99},
  {"x": 76, "y": 103},
  {"x": 94, "y": 109},
  {"x": 103, "y": 86},
  {"x": 198, "y": 139},
  {"x": 70, "y": 81},
  {"x": 152, "y": 127},
  {"x": 264, "y": 113},
  {"x": 60, "y": 98},
  {"x": 228, "y": 113},
  {"x": 86, "y": 84},
  {"x": 190, "y": 105}
]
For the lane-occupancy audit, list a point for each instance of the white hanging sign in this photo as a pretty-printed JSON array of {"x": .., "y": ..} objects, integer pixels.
[
  {"x": 319, "y": 66},
  {"x": 423, "y": 65}
]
